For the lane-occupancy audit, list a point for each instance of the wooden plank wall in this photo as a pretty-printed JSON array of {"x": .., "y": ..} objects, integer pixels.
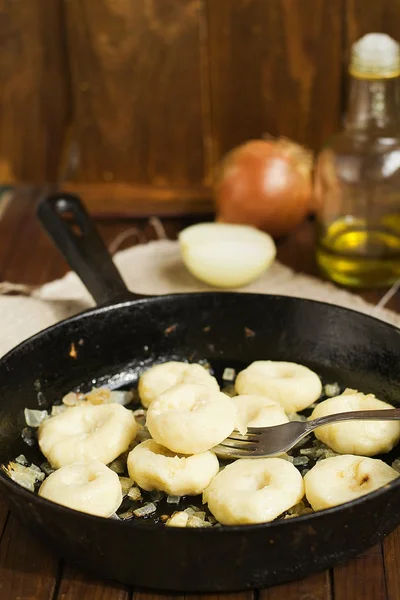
[{"x": 133, "y": 103}]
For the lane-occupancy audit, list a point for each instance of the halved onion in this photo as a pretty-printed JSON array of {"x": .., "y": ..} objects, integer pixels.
[{"x": 224, "y": 255}]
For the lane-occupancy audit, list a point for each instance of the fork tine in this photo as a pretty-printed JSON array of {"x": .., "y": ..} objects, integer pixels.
[
  {"x": 241, "y": 437},
  {"x": 235, "y": 452},
  {"x": 230, "y": 453},
  {"x": 239, "y": 444},
  {"x": 256, "y": 430}
]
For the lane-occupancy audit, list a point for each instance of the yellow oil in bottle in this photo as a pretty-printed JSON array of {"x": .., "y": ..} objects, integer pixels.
[{"x": 355, "y": 253}]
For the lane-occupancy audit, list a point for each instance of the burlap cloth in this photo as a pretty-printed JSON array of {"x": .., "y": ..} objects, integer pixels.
[{"x": 155, "y": 268}]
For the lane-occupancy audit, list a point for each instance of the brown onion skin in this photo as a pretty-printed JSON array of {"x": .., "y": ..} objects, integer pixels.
[{"x": 247, "y": 189}]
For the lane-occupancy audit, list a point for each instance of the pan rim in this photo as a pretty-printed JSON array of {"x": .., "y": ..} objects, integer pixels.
[{"x": 99, "y": 310}]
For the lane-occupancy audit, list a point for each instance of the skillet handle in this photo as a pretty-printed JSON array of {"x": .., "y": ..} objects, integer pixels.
[{"x": 71, "y": 229}]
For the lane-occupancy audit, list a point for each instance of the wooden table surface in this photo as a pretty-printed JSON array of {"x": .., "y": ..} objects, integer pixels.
[{"x": 29, "y": 571}]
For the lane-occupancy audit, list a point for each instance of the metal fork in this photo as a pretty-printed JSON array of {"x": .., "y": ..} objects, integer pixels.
[{"x": 271, "y": 441}]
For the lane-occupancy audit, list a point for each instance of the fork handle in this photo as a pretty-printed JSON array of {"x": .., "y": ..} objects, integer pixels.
[{"x": 391, "y": 414}]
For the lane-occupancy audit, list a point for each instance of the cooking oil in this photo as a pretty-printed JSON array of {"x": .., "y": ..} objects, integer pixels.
[
  {"x": 352, "y": 253},
  {"x": 357, "y": 177}
]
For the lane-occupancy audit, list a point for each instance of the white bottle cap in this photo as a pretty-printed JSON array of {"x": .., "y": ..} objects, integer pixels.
[{"x": 375, "y": 56}]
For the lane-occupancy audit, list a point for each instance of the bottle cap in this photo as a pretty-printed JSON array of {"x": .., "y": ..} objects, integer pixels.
[{"x": 375, "y": 56}]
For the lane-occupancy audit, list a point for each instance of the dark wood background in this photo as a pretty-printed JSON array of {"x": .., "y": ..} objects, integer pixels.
[{"x": 133, "y": 102}]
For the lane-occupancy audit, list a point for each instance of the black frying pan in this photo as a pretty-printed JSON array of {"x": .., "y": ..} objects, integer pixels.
[{"x": 130, "y": 332}]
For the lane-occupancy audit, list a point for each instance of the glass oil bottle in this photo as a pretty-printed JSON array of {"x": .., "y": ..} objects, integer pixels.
[{"x": 357, "y": 175}]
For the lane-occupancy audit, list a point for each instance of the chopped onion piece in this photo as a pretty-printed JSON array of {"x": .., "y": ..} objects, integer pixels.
[
  {"x": 145, "y": 510},
  {"x": 201, "y": 514},
  {"x": 194, "y": 521},
  {"x": 396, "y": 465},
  {"x": 178, "y": 519},
  {"x": 47, "y": 468},
  {"x": 126, "y": 515},
  {"x": 57, "y": 409},
  {"x": 25, "y": 482},
  {"x": 70, "y": 399},
  {"x": 190, "y": 510},
  {"x": 99, "y": 396},
  {"x": 300, "y": 460},
  {"x": 173, "y": 499},
  {"x": 24, "y": 476},
  {"x": 228, "y": 374},
  {"x": 126, "y": 484},
  {"x": 332, "y": 389},
  {"x": 135, "y": 494},
  {"x": 39, "y": 473},
  {"x": 115, "y": 516},
  {"x": 22, "y": 460},
  {"x": 28, "y": 436},
  {"x": 33, "y": 418},
  {"x": 139, "y": 412},
  {"x": 121, "y": 397},
  {"x": 117, "y": 465}
]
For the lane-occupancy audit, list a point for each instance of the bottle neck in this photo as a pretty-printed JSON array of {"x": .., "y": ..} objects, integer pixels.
[{"x": 373, "y": 104}]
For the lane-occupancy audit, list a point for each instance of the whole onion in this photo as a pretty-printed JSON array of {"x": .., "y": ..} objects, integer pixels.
[{"x": 266, "y": 183}]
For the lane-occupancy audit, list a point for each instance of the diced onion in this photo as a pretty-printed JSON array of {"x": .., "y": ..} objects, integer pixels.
[
  {"x": 47, "y": 468},
  {"x": 33, "y": 418},
  {"x": 332, "y": 389},
  {"x": 194, "y": 521},
  {"x": 173, "y": 499},
  {"x": 135, "y": 494},
  {"x": 396, "y": 465},
  {"x": 228, "y": 374},
  {"x": 190, "y": 510},
  {"x": 99, "y": 396},
  {"x": 121, "y": 397},
  {"x": 178, "y": 519},
  {"x": 57, "y": 409},
  {"x": 200, "y": 514},
  {"x": 145, "y": 510},
  {"x": 126, "y": 484},
  {"x": 300, "y": 460},
  {"x": 70, "y": 399},
  {"x": 117, "y": 466},
  {"x": 25, "y": 476},
  {"x": 126, "y": 515}
]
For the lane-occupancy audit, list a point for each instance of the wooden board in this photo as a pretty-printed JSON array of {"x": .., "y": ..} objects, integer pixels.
[
  {"x": 315, "y": 587},
  {"x": 27, "y": 570},
  {"x": 137, "y": 90},
  {"x": 34, "y": 102},
  {"x": 368, "y": 16},
  {"x": 133, "y": 201},
  {"x": 362, "y": 578},
  {"x": 275, "y": 68},
  {"x": 76, "y": 585},
  {"x": 391, "y": 554}
]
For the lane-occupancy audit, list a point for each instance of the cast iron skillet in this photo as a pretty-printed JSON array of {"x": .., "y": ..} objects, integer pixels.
[{"x": 116, "y": 342}]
